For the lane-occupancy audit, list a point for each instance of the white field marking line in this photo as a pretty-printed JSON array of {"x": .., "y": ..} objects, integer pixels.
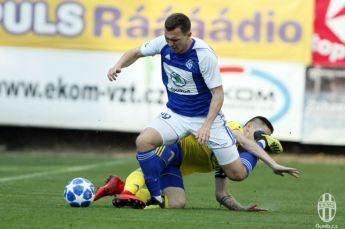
[{"x": 61, "y": 171}]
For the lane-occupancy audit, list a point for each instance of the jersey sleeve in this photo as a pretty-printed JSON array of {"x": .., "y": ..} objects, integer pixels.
[
  {"x": 209, "y": 69},
  {"x": 153, "y": 47}
]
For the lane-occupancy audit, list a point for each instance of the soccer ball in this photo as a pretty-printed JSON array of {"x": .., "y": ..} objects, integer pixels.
[{"x": 79, "y": 192}]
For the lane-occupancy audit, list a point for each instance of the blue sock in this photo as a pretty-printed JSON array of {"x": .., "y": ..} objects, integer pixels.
[
  {"x": 152, "y": 166},
  {"x": 249, "y": 160},
  {"x": 261, "y": 143}
]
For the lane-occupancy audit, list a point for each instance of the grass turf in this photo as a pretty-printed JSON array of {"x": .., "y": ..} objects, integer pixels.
[{"x": 32, "y": 184}]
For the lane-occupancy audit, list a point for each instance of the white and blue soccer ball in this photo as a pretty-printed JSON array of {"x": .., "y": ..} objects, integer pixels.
[{"x": 79, "y": 192}]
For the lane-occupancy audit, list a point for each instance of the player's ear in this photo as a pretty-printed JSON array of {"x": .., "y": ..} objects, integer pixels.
[{"x": 250, "y": 125}]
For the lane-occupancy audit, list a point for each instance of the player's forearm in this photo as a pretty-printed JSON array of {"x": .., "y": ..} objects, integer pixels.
[
  {"x": 129, "y": 58},
  {"x": 215, "y": 105},
  {"x": 221, "y": 187},
  {"x": 253, "y": 148},
  {"x": 224, "y": 197},
  {"x": 230, "y": 203}
]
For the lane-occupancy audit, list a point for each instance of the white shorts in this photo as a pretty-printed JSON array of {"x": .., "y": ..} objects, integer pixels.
[{"x": 173, "y": 127}]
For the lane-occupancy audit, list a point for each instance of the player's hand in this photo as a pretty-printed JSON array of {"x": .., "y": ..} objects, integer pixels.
[
  {"x": 272, "y": 144},
  {"x": 113, "y": 73},
  {"x": 231, "y": 203},
  {"x": 203, "y": 135},
  {"x": 281, "y": 170},
  {"x": 254, "y": 208}
]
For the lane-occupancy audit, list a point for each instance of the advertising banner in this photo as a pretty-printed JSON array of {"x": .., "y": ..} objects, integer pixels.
[
  {"x": 70, "y": 89},
  {"x": 329, "y": 36},
  {"x": 253, "y": 29},
  {"x": 324, "y": 119},
  {"x": 273, "y": 90}
]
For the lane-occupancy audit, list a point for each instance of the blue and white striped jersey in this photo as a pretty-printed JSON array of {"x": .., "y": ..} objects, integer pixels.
[{"x": 187, "y": 77}]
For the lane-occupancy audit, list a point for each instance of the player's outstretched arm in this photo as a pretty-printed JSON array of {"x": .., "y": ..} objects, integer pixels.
[
  {"x": 126, "y": 59},
  {"x": 227, "y": 200},
  {"x": 252, "y": 147}
]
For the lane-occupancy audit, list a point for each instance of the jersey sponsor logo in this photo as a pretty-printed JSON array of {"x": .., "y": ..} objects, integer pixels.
[
  {"x": 177, "y": 79},
  {"x": 180, "y": 81},
  {"x": 189, "y": 64},
  {"x": 179, "y": 90},
  {"x": 165, "y": 115}
]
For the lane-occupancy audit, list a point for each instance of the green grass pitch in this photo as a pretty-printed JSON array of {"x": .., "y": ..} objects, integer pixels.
[{"x": 32, "y": 184}]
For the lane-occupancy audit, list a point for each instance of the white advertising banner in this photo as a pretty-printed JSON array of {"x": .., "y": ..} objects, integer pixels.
[
  {"x": 324, "y": 119},
  {"x": 271, "y": 89},
  {"x": 70, "y": 89}
]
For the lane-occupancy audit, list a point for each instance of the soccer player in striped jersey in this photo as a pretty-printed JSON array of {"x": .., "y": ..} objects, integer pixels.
[
  {"x": 187, "y": 157},
  {"x": 191, "y": 76}
]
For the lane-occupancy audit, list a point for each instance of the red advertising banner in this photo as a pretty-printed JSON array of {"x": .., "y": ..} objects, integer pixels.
[{"x": 329, "y": 37}]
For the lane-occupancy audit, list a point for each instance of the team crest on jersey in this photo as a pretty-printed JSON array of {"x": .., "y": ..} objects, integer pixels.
[
  {"x": 177, "y": 79},
  {"x": 165, "y": 115},
  {"x": 189, "y": 64}
]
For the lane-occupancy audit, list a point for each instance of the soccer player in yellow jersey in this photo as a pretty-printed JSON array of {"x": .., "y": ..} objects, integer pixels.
[{"x": 188, "y": 156}]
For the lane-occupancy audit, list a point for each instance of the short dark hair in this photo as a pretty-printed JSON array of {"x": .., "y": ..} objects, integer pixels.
[
  {"x": 178, "y": 20},
  {"x": 262, "y": 121}
]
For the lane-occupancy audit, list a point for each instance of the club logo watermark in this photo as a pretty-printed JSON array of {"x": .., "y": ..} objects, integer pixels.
[{"x": 327, "y": 209}]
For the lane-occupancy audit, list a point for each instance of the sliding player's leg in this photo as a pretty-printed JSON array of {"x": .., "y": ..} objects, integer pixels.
[
  {"x": 231, "y": 163},
  {"x": 133, "y": 194},
  {"x": 134, "y": 181},
  {"x": 240, "y": 168},
  {"x": 114, "y": 185},
  {"x": 249, "y": 161}
]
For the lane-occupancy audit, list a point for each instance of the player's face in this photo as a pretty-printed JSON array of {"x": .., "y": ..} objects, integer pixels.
[
  {"x": 179, "y": 42},
  {"x": 250, "y": 128}
]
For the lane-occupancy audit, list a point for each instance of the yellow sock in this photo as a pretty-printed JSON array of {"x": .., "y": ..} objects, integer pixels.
[
  {"x": 166, "y": 201},
  {"x": 144, "y": 194},
  {"x": 134, "y": 181}
]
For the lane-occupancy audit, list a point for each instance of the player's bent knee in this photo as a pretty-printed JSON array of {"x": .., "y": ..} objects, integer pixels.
[
  {"x": 177, "y": 204},
  {"x": 175, "y": 197},
  {"x": 140, "y": 143},
  {"x": 235, "y": 171},
  {"x": 148, "y": 140},
  {"x": 237, "y": 176}
]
